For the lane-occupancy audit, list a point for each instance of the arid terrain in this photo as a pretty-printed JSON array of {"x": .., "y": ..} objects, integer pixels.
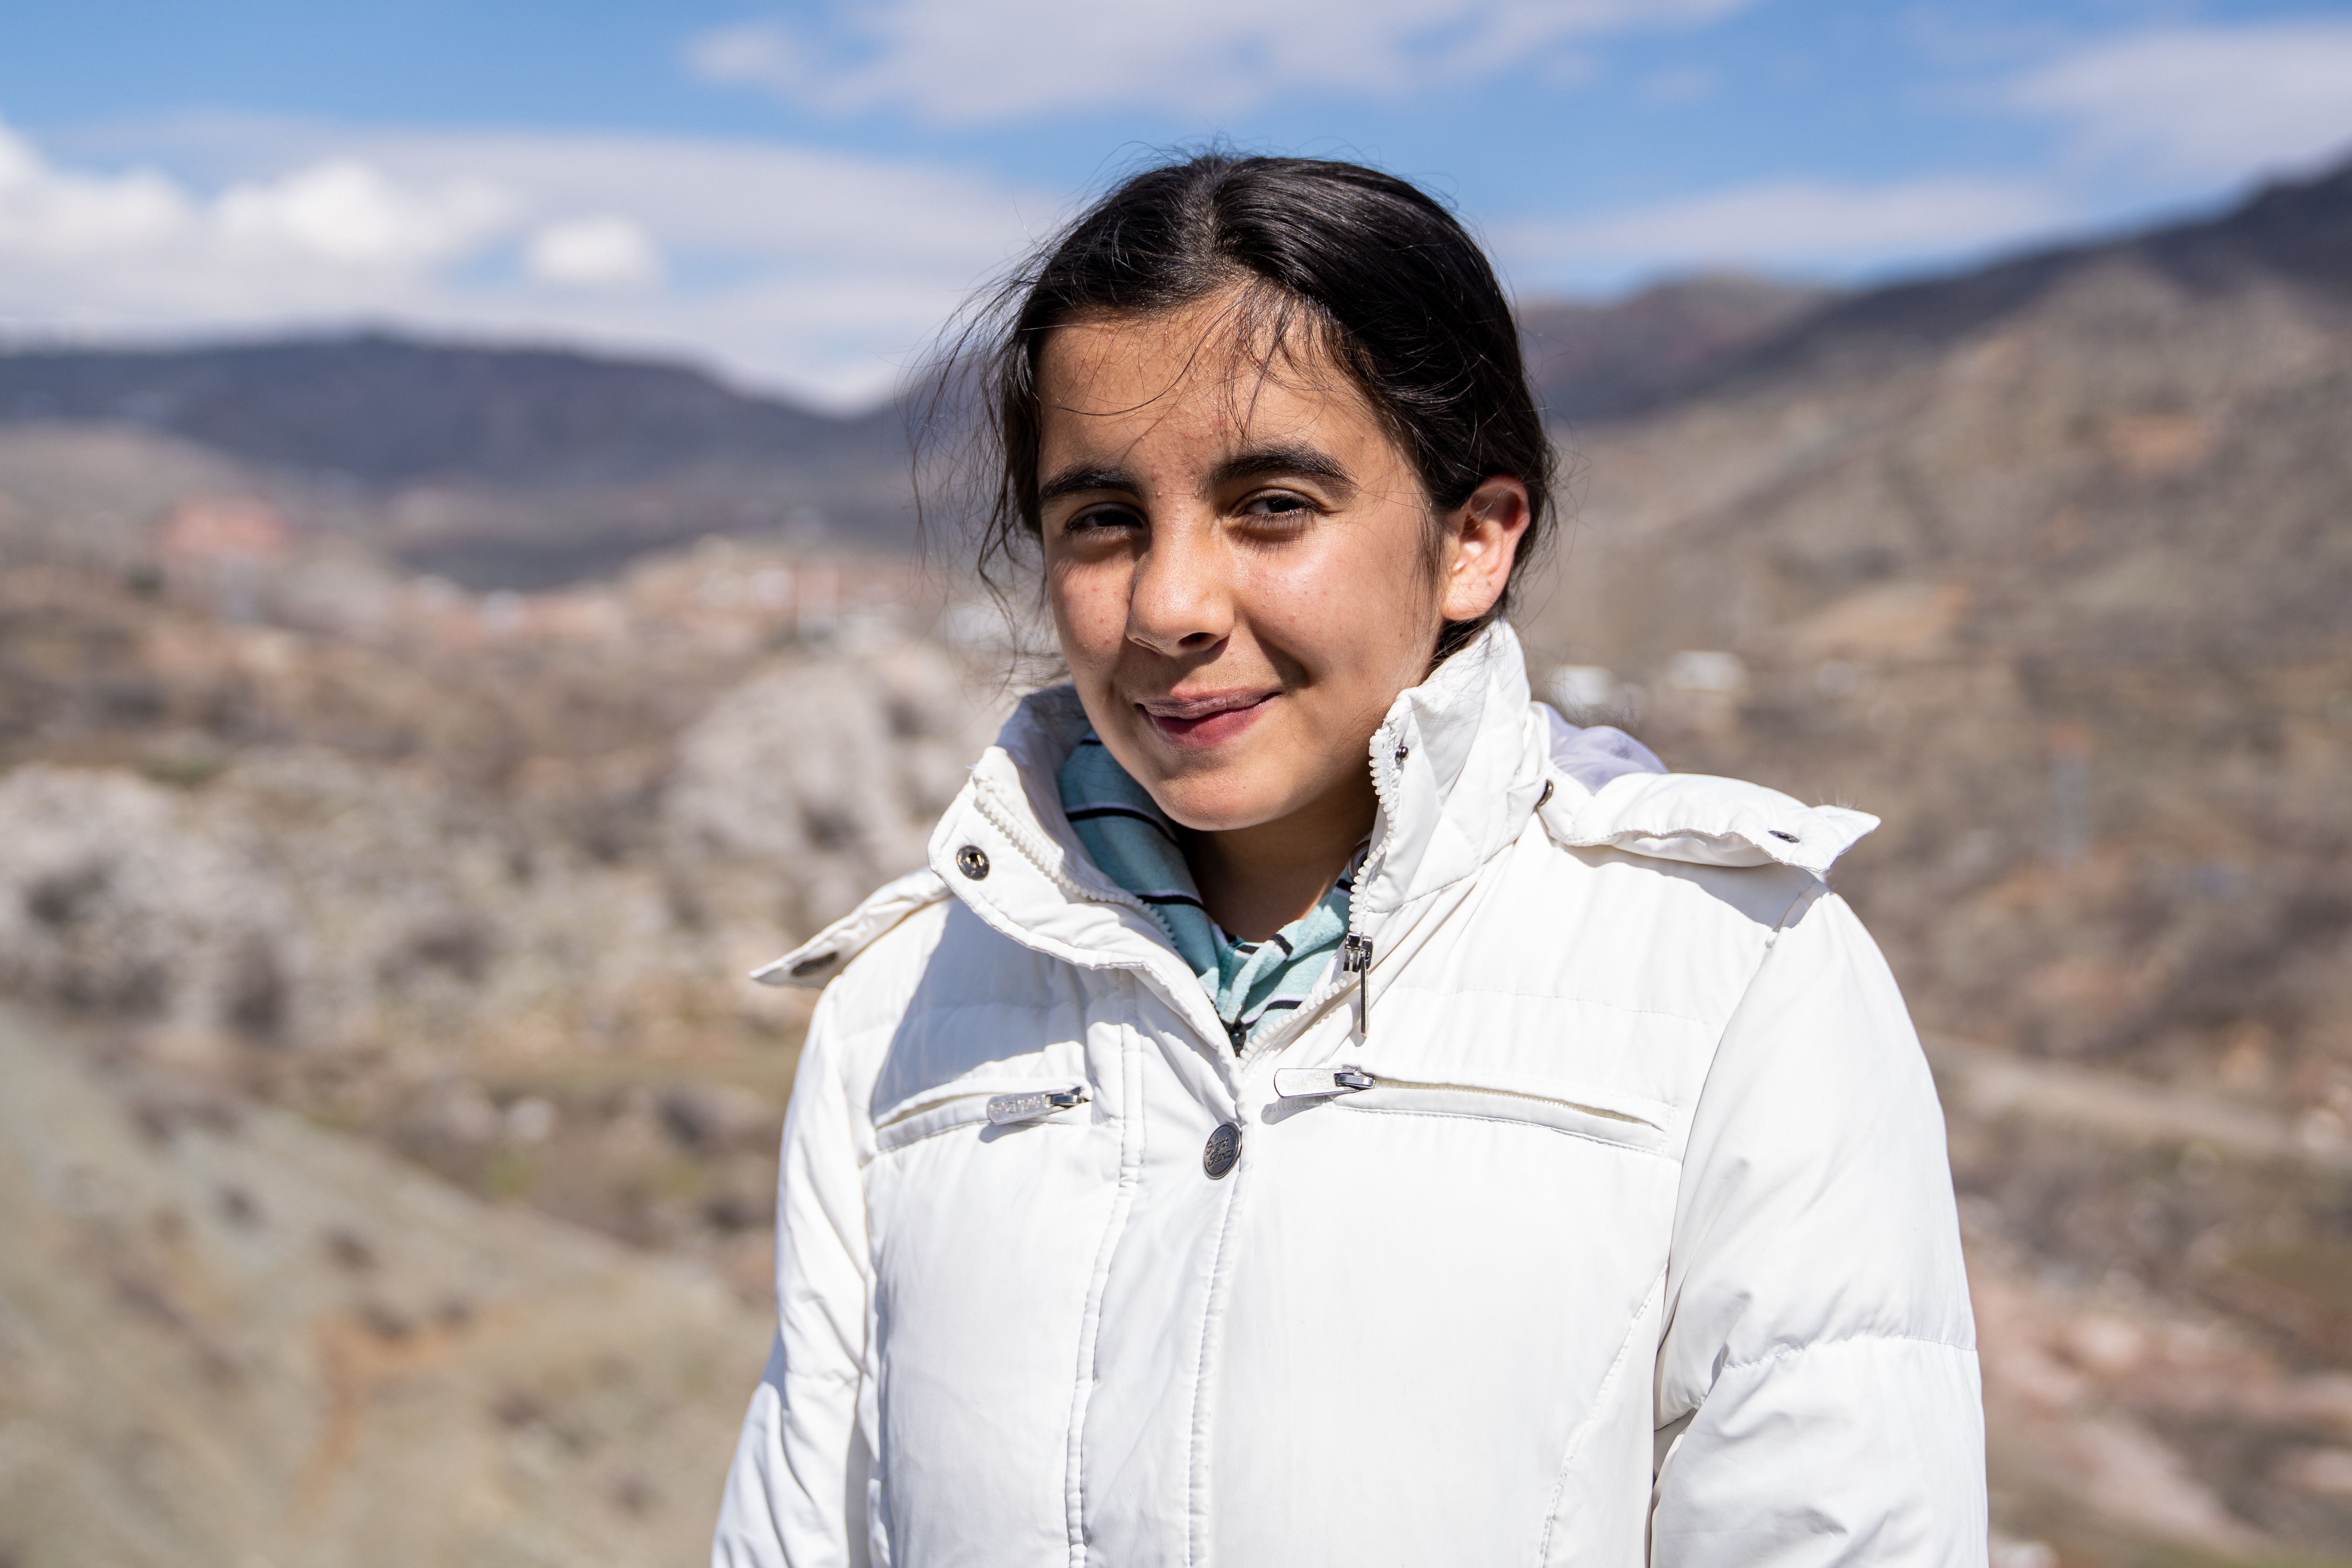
[{"x": 389, "y": 1116}]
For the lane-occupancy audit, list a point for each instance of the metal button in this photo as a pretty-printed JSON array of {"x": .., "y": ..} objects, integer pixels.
[
  {"x": 1224, "y": 1148},
  {"x": 972, "y": 861}
]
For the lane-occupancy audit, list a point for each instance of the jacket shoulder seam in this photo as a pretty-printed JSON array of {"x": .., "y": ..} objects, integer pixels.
[{"x": 1811, "y": 893}]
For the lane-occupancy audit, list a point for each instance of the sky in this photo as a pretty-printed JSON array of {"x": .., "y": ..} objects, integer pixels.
[{"x": 800, "y": 195}]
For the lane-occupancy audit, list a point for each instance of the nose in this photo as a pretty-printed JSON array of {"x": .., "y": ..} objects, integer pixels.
[{"x": 1180, "y": 601}]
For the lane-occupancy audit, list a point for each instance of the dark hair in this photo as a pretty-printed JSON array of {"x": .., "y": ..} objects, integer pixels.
[{"x": 1399, "y": 295}]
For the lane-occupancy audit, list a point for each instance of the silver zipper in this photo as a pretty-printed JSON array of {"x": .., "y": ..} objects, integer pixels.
[
  {"x": 1315, "y": 1082},
  {"x": 1356, "y": 958},
  {"x": 1006, "y": 1109},
  {"x": 1354, "y": 941}
]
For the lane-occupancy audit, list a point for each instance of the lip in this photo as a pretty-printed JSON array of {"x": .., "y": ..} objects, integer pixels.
[{"x": 1211, "y": 718}]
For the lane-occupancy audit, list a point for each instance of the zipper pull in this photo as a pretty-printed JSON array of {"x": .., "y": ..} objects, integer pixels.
[
  {"x": 1356, "y": 958},
  {"x": 1313, "y": 1083},
  {"x": 1006, "y": 1109}
]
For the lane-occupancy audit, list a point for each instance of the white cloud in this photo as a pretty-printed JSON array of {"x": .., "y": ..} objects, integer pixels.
[
  {"x": 1806, "y": 224},
  {"x": 346, "y": 212},
  {"x": 603, "y": 252},
  {"x": 2206, "y": 102},
  {"x": 60, "y": 218},
  {"x": 815, "y": 272},
  {"x": 952, "y": 62}
]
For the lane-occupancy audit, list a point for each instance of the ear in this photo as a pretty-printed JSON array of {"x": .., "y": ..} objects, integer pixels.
[{"x": 1482, "y": 540}]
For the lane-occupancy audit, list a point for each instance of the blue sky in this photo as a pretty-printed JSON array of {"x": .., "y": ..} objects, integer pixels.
[{"x": 800, "y": 194}]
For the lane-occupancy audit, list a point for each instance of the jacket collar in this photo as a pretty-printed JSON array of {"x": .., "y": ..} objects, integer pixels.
[
  {"x": 1452, "y": 763},
  {"x": 1456, "y": 773}
]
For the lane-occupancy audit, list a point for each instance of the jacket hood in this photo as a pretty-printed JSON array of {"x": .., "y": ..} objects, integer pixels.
[
  {"x": 1460, "y": 763},
  {"x": 1615, "y": 793}
]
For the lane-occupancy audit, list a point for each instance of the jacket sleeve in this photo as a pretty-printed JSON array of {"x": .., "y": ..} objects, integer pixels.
[
  {"x": 796, "y": 1496},
  {"x": 1817, "y": 1389}
]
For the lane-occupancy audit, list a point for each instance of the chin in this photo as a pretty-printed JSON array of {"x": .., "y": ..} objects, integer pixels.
[{"x": 1212, "y": 803}]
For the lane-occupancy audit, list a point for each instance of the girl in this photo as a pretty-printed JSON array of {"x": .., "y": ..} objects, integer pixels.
[{"x": 1317, "y": 1107}]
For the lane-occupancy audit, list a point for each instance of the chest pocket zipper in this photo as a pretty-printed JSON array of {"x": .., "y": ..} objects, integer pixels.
[
  {"x": 1005, "y": 1110},
  {"x": 1560, "y": 1107},
  {"x": 952, "y": 1106}
]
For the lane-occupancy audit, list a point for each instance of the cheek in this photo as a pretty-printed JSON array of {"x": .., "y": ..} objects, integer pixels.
[
  {"x": 1089, "y": 605},
  {"x": 1353, "y": 606}
]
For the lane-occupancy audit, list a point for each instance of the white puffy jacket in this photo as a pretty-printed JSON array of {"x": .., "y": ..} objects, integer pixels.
[{"x": 1624, "y": 1233}]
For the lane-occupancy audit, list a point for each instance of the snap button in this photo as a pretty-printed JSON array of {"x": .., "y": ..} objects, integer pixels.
[
  {"x": 972, "y": 861},
  {"x": 1224, "y": 1147}
]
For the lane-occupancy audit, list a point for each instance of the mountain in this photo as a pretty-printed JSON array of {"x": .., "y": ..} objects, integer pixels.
[
  {"x": 500, "y": 468},
  {"x": 2292, "y": 233},
  {"x": 390, "y": 412},
  {"x": 517, "y": 467},
  {"x": 2129, "y": 449},
  {"x": 387, "y": 411},
  {"x": 1594, "y": 362}
]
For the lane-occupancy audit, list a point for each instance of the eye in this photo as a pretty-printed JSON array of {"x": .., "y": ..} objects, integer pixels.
[
  {"x": 1280, "y": 506},
  {"x": 1095, "y": 522}
]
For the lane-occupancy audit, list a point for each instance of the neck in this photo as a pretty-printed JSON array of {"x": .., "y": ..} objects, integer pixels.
[{"x": 1255, "y": 881}]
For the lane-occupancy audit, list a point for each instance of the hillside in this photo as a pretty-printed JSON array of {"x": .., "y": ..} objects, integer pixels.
[
  {"x": 2062, "y": 593},
  {"x": 227, "y": 1337}
]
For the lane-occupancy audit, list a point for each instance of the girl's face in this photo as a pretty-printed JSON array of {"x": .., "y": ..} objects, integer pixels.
[{"x": 1238, "y": 558}]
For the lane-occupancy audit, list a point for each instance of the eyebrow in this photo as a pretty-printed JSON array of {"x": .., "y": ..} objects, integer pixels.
[
  {"x": 1304, "y": 461},
  {"x": 1257, "y": 463},
  {"x": 1077, "y": 481}
]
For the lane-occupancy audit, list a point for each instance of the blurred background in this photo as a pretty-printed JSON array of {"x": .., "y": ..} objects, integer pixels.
[{"x": 460, "y": 608}]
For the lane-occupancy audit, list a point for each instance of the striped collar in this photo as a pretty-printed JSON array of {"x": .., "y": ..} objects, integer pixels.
[{"x": 1134, "y": 844}]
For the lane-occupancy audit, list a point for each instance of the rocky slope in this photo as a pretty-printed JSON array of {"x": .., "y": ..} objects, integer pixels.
[
  {"x": 229, "y": 1338},
  {"x": 388, "y": 1158}
]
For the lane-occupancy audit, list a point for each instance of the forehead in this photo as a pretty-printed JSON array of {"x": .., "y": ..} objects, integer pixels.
[{"x": 1213, "y": 371}]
